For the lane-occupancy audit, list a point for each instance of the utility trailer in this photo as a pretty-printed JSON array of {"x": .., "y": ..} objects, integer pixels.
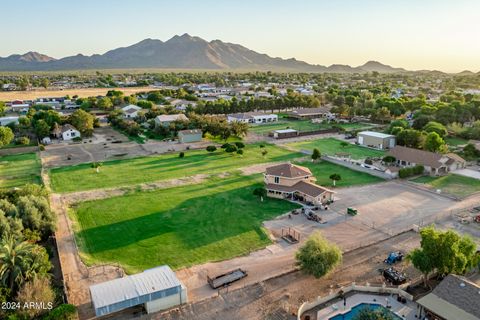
[{"x": 226, "y": 279}]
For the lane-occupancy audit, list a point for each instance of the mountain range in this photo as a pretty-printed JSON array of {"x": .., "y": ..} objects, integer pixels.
[{"x": 180, "y": 52}]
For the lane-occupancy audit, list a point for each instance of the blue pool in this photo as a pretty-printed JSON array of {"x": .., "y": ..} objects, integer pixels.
[{"x": 355, "y": 310}]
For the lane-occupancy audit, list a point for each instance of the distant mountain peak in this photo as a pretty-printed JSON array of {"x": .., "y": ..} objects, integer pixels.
[
  {"x": 33, "y": 56},
  {"x": 181, "y": 52}
]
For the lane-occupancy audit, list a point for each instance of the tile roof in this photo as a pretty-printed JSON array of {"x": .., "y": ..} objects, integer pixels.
[
  {"x": 304, "y": 187},
  {"x": 288, "y": 170}
]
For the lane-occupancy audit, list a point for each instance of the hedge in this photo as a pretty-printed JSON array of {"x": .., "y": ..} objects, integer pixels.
[{"x": 411, "y": 171}]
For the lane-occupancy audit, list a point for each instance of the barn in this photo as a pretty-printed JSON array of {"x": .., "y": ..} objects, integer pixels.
[{"x": 157, "y": 289}]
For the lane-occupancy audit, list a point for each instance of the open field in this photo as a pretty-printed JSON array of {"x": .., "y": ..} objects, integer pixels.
[
  {"x": 17, "y": 170},
  {"x": 322, "y": 171},
  {"x": 180, "y": 226},
  {"x": 84, "y": 92},
  {"x": 453, "y": 184},
  {"x": 331, "y": 146},
  {"x": 155, "y": 168},
  {"x": 303, "y": 125}
]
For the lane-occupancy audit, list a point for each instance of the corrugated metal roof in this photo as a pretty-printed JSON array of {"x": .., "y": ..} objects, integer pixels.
[
  {"x": 133, "y": 290},
  {"x": 376, "y": 134}
]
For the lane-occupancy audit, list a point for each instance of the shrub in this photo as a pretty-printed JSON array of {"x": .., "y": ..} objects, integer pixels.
[
  {"x": 411, "y": 171},
  {"x": 240, "y": 145},
  {"x": 260, "y": 191},
  {"x": 22, "y": 141},
  {"x": 181, "y": 155},
  {"x": 368, "y": 161},
  {"x": 42, "y": 147},
  {"x": 225, "y": 145},
  {"x": 240, "y": 151},
  {"x": 231, "y": 148},
  {"x": 262, "y": 146},
  {"x": 77, "y": 139},
  {"x": 211, "y": 148},
  {"x": 62, "y": 312}
]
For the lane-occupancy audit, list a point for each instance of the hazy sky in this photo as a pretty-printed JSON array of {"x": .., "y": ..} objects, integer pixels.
[{"x": 415, "y": 34}]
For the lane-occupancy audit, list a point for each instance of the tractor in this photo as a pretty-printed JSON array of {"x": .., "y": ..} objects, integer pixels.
[{"x": 394, "y": 257}]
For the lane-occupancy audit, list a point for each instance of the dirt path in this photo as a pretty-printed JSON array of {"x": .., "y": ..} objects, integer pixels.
[{"x": 280, "y": 297}]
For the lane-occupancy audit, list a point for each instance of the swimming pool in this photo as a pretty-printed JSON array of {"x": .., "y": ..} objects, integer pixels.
[{"x": 355, "y": 310}]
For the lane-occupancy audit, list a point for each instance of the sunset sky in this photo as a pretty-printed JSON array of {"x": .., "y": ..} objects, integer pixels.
[{"x": 414, "y": 34}]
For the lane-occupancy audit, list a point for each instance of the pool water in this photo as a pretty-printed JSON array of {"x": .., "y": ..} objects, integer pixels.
[{"x": 355, "y": 310}]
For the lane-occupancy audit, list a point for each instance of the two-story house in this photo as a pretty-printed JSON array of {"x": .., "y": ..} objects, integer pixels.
[{"x": 293, "y": 182}]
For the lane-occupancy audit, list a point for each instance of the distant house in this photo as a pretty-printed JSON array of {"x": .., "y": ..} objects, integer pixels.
[
  {"x": 69, "y": 132},
  {"x": 293, "y": 182},
  {"x": 376, "y": 140},
  {"x": 19, "y": 106},
  {"x": 252, "y": 117},
  {"x": 166, "y": 119},
  {"x": 285, "y": 133},
  {"x": 434, "y": 163},
  {"x": 187, "y": 136},
  {"x": 8, "y": 120},
  {"x": 454, "y": 298},
  {"x": 310, "y": 113},
  {"x": 131, "y": 111}
]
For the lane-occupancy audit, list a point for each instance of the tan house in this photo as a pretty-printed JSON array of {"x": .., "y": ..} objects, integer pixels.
[
  {"x": 293, "y": 182},
  {"x": 434, "y": 163}
]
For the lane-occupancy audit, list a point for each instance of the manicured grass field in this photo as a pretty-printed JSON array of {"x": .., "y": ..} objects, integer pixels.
[
  {"x": 17, "y": 170},
  {"x": 331, "y": 146},
  {"x": 303, "y": 125},
  {"x": 453, "y": 184},
  {"x": 322, "y": 171},
  {"x": 454, "y": 141},
  {"x": 181, "y": 226},
  {"x": 155, "y": 168}
]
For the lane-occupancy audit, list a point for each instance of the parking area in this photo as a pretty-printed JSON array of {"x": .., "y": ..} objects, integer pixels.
[
  {"x": 384, "y": 210},
  {"x": 468, "y": 173}
]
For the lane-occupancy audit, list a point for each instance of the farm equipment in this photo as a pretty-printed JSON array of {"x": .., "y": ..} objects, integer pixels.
[
  {"x": 352, "y": 211},
  {"x": 226, "y": 279},
  {"x": 477, "y": 219},
  {"x": 394, "y": 257},
  {"x": 394, "y": 276}
]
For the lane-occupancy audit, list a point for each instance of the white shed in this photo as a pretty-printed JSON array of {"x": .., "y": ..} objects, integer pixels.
[{"x": 157, "y": 288}]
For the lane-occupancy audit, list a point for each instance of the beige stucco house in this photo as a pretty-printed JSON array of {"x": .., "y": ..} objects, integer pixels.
[{"x": 293, "y": 182}]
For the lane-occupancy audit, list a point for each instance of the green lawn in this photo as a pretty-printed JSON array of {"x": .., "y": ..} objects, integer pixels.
[
  {"x": 454, "y": 141},
  {"x": 322, "y": 171},
  {"x": 181, "y": 226},
  {"x": 17, "y": 170},
  {"x": 453, "y": 184},
  {"x": 303, "y": 125},
  {"x": 163, "y": 167},
  {"x": 331, "y": 146}
]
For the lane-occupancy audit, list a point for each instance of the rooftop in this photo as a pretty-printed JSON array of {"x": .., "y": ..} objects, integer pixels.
[
  {"x": 376, "y": 134},
  {"x": 288, "y": 170}
]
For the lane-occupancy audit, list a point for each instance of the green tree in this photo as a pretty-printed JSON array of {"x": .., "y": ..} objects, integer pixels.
[
  {"x": 318, "y": 256},
  {"x": 261, "y": 192},
  {"x": 435, "y": 143},
  {"x": 316, "y": 154},
  {"x": 445, "y": 252},
  {"x": 6, "y": 136},
  {"x": 231, "y": 149},
  {"x": 437, "y": 127},
  {"x": 335, "y": 177},
  {"x": 83, "y": 121},
  {"x": 410, "y": 138},
  {"x": 15, "y": 257},
  {"x": 264, "y": 152},
  {"x": 37, "y": 290},
  {"x": 211, "y": 149},
  {"x": 2, "y": 108},
  {"x": 105, "y": 103},
  {"x": 344, "y": 144},
  {"x": 389, "y": 159}
]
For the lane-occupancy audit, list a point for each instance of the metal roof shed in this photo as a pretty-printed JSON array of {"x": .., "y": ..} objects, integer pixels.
[{"x": 118, "y": 294}]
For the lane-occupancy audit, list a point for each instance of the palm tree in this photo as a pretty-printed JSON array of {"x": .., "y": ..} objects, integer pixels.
[{"x": 15, "y": 258}]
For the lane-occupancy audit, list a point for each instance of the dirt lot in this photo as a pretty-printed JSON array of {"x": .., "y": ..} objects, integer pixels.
[
  {"x": 280, "y": 297},
  {"x": 101, "y": 148},
  {"x": 87, "y": 92}
]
